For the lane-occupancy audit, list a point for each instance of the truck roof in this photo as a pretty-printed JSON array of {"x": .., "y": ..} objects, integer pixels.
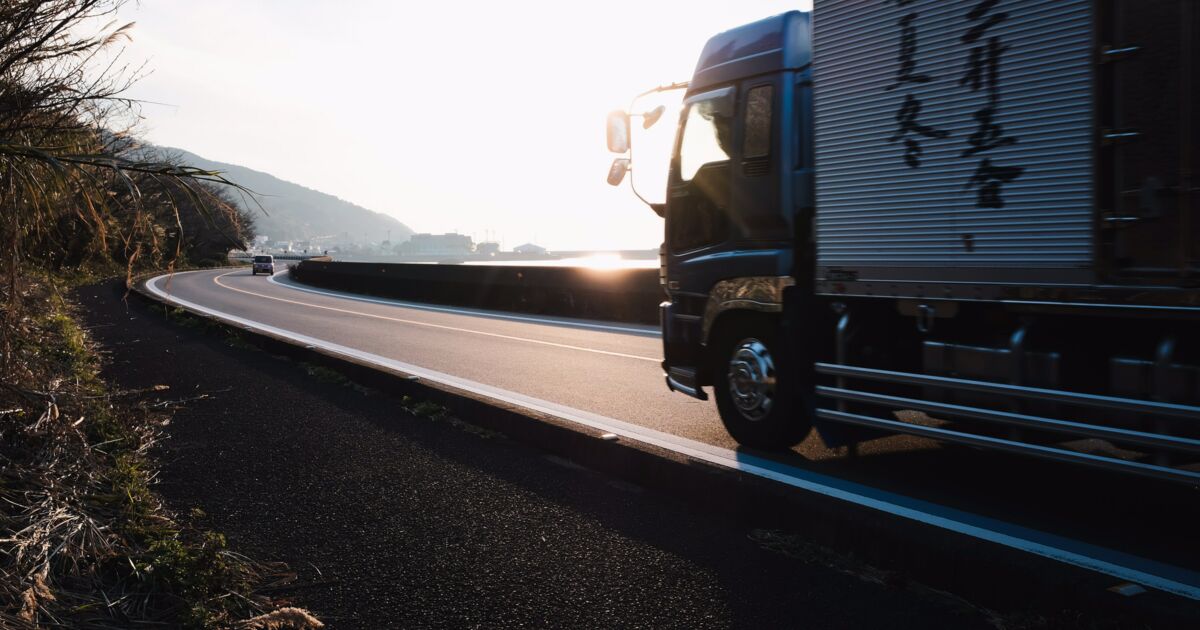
[{"x": 776, "y": 43}]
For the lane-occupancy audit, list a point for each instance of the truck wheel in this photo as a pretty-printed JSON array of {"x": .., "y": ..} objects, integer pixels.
[{"x": 757, "y": 406}]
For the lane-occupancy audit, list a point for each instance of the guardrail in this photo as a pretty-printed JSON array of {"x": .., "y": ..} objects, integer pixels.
[
  {"x": 625, "y": 295},
  {"x": 249, "y": 257}
]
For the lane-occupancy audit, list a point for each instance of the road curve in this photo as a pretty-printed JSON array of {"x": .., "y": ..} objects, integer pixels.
[
  {"x": 604, "y": 368},
  {"x": 612, "y": 370}
]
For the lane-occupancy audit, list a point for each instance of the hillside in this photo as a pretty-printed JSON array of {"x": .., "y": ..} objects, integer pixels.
[{"x": 294, "y": 212}]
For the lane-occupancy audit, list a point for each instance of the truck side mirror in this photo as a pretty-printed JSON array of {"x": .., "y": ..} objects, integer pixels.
[
  {"x": 618, "y": 131},
  {"x": 616, "y": 172},
  {"x": 652, "y": 116}
]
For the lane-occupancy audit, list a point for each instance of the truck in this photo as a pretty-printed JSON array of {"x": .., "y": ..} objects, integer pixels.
[{"x": 975, "y": 221}]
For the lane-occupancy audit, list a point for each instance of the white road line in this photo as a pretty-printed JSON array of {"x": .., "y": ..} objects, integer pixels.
[
  {"x": 645, "y": 332},
  {"x": 1157, "y": 575},
  {"x": 413, "y": 322}
]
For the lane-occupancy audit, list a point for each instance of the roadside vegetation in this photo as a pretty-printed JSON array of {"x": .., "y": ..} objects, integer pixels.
[{"x": 85, "y": 541}]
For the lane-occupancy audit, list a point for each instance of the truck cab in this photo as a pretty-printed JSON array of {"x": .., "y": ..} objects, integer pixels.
[{"x": 739, "y": 192}]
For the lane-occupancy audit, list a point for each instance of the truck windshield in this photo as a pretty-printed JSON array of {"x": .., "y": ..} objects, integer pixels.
[{"x": 262, "y": 259}]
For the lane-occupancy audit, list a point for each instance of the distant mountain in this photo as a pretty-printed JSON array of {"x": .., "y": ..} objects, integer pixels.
[{"x": 296, "y": 213}]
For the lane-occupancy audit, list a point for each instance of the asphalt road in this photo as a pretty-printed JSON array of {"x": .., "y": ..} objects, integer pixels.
[
  {"x": 398, "y": 521},
  {"x": 613, "y": 370}
]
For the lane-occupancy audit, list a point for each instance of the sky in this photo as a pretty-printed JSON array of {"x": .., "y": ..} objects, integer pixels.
[{"x": 485, "y": 118}]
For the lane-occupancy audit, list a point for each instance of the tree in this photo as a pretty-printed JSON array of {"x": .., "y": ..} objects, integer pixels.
[{"x": 74, "y": 183}]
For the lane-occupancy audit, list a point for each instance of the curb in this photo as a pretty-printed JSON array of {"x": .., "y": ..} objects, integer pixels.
[{"x": 985, "y": 573}]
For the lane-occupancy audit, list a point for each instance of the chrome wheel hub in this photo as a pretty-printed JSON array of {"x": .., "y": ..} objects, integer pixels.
[{"x": 751, "y": 379}]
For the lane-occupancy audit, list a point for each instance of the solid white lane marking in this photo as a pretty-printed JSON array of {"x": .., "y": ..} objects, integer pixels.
[
  {"x": 1157, "y": 575},
  {"x": 646, "y": 332},
  {"x": 412, "y": 322}
]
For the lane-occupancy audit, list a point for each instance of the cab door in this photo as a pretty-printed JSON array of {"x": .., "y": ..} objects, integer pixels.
[
  {"x": 697, "y": 217},
  {"x": 698, "y": 209}
]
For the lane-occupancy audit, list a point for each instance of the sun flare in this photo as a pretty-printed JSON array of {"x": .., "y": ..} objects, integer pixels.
[{"x": 602, "y": 262}]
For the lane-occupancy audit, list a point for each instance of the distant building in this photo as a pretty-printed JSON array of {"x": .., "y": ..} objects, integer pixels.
[
  {"x": 530, "y": 248},
  {"x": 488, "y": 248},
  {"x": 437, "y": 245}
]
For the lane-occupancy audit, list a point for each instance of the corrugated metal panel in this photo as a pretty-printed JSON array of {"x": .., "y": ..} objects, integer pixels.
[{"x": 875, "y": 209}]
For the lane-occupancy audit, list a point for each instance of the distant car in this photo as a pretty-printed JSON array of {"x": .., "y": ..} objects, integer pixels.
[{"x": 265, "y": 264}]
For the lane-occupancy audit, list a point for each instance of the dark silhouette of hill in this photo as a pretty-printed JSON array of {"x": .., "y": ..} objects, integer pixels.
[{"x": 294, "y": 212}]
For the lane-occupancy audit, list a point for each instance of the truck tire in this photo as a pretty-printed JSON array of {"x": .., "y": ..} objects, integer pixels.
[{"x": 757, "y": 406}]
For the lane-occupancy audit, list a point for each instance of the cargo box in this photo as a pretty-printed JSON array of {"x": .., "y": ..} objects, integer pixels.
[{"x": 981, "y": 143}]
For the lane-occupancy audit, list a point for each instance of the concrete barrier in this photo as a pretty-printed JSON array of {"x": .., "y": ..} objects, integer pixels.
[
  {"x": 625, "y": 295},
  {"x": 248, "y": 257}
]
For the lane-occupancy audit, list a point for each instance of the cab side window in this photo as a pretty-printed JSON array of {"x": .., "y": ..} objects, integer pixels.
[
  {"x": 757, "y": 142},
  {"x": 707, "y": 135}
]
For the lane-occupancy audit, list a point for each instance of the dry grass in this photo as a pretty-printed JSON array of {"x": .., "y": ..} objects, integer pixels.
[
  {"x": 85, "y": 541},
  {"x": 282, "y": 619}
]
